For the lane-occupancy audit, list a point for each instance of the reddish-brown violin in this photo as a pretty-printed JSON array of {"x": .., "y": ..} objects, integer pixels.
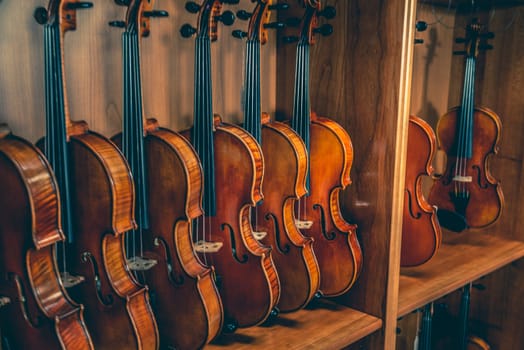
[
  {"x": 469, "y": 136},
  {"x": 97, "y": 208},
  {"x": 233, "y": 169},
  {"x": 330, "y": 158},
  {"x": 285, "y": 168},
  {"x": 168, "y": 183},
  {"x": 35, "y": 310},
  {"x": 421, "y": 235}
]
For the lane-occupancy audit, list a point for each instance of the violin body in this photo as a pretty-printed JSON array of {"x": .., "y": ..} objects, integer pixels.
[
  {"x": 285, "y": 168},
  {"x": 39, "y": 313},
  {"x": 187, "y": 305},
  {"x": 118, "y": 312},
  {"x": 331, "y": 157},
  {"x": 249, "y": 285},
  {"x": 485, "y": 194},
  {"x": 421, "y": 234}
]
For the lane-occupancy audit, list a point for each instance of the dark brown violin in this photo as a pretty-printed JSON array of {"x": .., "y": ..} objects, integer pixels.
[
  {"x": 233, "y": 169},
  {"x": 285, "y": 168},
  {"x": 469, "y": 136},
  {"x": 35, "y": 310},
  {"x": 330, "y": 158},
  {"x": 421, "y": 235},
  {"x": 97, "y": 207},
  {"x": 168, "y": 183}
]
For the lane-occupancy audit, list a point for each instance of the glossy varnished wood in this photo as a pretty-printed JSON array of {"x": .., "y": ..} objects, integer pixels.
[
  {"x": 40, "y": 313},
  {"x": 285, "y": 160},
  {"x": 461, "y": 259},
  {"x": 322, "y": 325}
]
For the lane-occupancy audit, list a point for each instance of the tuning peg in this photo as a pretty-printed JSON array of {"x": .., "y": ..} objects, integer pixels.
[
  {"x": 460, "y": 40},
  {"x": 123, "y": 2},
  {"x": 329, "y": 12},
  {"x": 40, "y": 15},
  {"x": 421, "y": 26},
  {"x": 244, "y": 15},
  {"x": 488, "y": 35},
  {"x": 117, "y": 24},
  {"x": 290, "y": 39},
  {"x": 419, "y": 41},
  {"x": 278, "y": 7},
  {"x": 324, "y": 30},
  {"x": 485, "y": 47},
  {"x": 239, "y": 34},
  {"x": 227, "y": 17},
  {"x": 156, "y": 13},
  {"x": 293, "y": 22},
  {"x": 459, "y": 53},
  {"x": 274, "y": 25},
  {"x": 230, "y": 2},
  {"x": 79, "y": 5},
  {"x": 187, "y": 30},
  {"x": 192, "y": 7}
]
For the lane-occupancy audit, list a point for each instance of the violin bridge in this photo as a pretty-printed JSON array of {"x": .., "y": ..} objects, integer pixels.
[
  {"x": 208, "y": 247},
  {"x": 259, "y": 235},
  {"x": 303, "y": 225},
  {"x": 138, "y": 263},
  {"x": 4, "y": 301},
  {"x": 69, "y": 280},
  {"x": 460, "y": 178}
]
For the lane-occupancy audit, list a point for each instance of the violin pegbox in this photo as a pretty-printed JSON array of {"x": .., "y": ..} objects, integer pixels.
[
  {"x": 209, "y": 14},
  {"x": 138, "y": 16},
  {"x": 259, "y": 20},
  {"x": 475, "y": 40},
  {"x": 62, "y": 12},
  {"x": 309, "y": 23}
]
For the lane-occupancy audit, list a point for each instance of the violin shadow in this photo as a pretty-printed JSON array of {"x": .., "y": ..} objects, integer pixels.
[{"x": 234, "y": 338}]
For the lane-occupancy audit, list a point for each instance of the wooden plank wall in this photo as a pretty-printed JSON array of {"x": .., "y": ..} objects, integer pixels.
[
  {"x": 93, "y": 68},
  {"x": 355, "y": 79},
  {"x": 497, "y": 313}
]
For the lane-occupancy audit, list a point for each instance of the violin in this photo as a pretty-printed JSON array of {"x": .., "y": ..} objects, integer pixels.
[
  {"x": 35, "y": 309},
  {"x": 285, "y": 168},
  {"x": 469, "y": 136},
  {"x": 330, "y": 158},
  {"x": 233, "y": 169},
  {"x": 97, "y": 195},
  {"x": 186, "y": 302},
  {"x": 421, "y": 234}
]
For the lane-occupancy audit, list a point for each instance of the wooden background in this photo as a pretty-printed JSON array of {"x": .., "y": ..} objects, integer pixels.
[{"x": 94, "y": 74}]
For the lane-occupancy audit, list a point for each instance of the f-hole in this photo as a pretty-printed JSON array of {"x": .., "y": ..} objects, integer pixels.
[
  {"x": 410, "y": 206},
  {"x": 35, "y": 322},
  {"x": 233, "y": 244},
  {"x": 331, "y": 235},
  {"x": 176, "y": 280},
  {"x": 106, "y": 300},
  {"x": 477, "y": 169},
  {"x": 271, "y": 217}
]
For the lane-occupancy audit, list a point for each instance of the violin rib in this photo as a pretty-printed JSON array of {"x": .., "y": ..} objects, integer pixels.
[
  {"x": 286, "y": 164},
  {"x": 331, "y": 157},
  {"x": 118, "y": 311},
  {"x": 421, "y": 234},
  {"x": 40, "y": 312}
]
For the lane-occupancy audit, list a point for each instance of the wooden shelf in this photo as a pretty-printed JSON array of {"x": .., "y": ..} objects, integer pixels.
[
  {"x": 461, "y": 259},
  {"x": 323, "y": 325}
]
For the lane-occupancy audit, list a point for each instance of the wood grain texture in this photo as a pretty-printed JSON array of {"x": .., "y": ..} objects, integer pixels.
[
  {"x": 461, "y": 259},
  {"x": 322, "y": 325}
]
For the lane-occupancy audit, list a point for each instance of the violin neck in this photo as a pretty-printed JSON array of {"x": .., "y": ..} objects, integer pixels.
[
  {"x": 301, "y": 100},
  {"x": 465, "y": 127},
  {"x": 55, "y": 147},
  {"x": 251, "y": 98},
  {"x": 202, "y": 133},
  {"x": 133, "y": 123}
]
